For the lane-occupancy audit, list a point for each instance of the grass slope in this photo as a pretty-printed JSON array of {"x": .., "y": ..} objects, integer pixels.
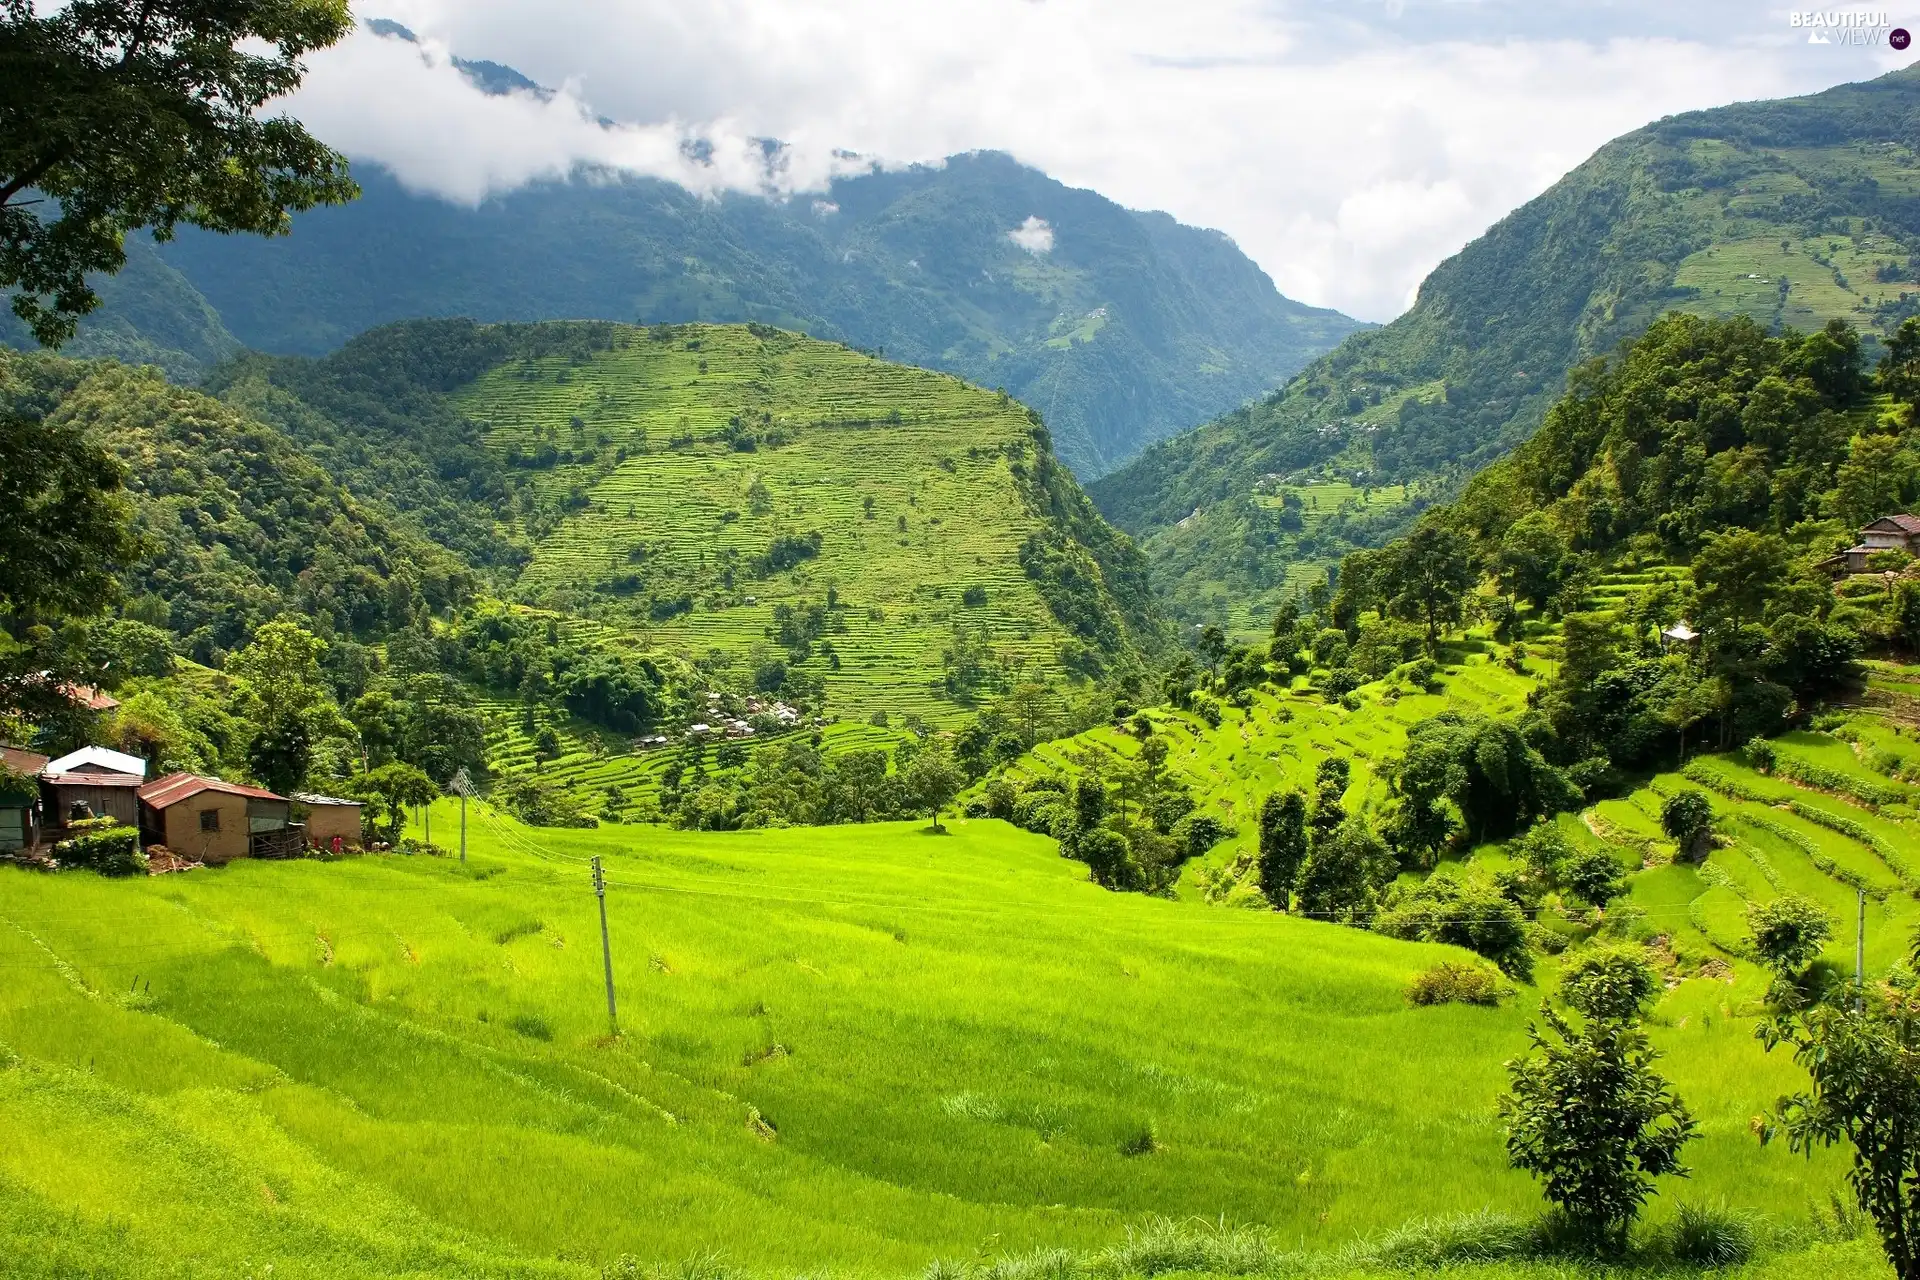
[
  {"x": 854, "y": 1049},
  {"x": 687, "y": 514},
  {"x": 1794, "y": 212}
]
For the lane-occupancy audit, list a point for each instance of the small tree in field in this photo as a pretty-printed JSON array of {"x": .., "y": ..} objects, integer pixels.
[
  {"x": 1863, "y": 1057},
  {"x": 933, "y": 779},
  {"x": 388, "y": 792},
  {"x": 1687, "y": 817},
  {"x": 1283, "y": 845},
  {"x": 1788, "y": 934},
  {"x": 1587, "y": 1114}
]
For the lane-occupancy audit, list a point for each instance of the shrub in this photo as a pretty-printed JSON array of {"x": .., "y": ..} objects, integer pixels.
[
  {"x": 1710, "y": 1236},
  {"x": 1687, "y": 817},
  {"x": 1760, "y": 754},
  {"x": 973, "y": 597},
  {"x": 1450, "y": 983},
  {"x": 1789, "y": 932},
  {"x": 1198, "y": 832},
  {"x": 110, "y": 850},
  {"x": 1594, "y": 877},
  {"x": 1340, "y": 682}
]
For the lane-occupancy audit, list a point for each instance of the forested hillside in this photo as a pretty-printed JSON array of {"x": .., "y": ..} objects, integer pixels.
[
  {"x": 1122, "y": 327},
  {"x": 520, "y": 548},
  {"x": 1791, "y": 212}
]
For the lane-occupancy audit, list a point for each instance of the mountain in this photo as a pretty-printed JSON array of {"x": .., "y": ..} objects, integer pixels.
[
  {"x": 783, "y": 509},
  {"x": 1120, "y": 326},
  {"x": 1792, "y": 212}
]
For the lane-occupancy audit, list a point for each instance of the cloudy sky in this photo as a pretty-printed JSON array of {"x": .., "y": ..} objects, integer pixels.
[{"x": 1346, "y": 145}]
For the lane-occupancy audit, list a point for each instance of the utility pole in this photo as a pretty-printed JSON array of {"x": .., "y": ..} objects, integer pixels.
[
  {"x": 606, "y": 947},
  {"x": 1860, "y": 949},
  {"x": 461, "y": 785}
]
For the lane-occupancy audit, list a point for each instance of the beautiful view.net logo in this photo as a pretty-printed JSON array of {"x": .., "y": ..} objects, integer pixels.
[{"x": 1854, "y": 27}]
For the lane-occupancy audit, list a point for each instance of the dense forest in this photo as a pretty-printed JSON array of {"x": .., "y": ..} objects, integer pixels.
[{"x": 1789, "y": 212}]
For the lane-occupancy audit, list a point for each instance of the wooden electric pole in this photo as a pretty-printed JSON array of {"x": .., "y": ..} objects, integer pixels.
[{"x": 606, "y": 947}]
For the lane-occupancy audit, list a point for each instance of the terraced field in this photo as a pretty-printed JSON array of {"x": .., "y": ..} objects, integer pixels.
[
  {"x": 614, "y": 778},
  {"x": 697, "y": 467}
]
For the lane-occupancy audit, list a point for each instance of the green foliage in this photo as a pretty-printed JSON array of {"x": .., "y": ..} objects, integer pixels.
[
  {"x": 133, "y": 116},
  {"x": 387, "y": 792},
  {"x": 1734, "y": 212},
  {"x": 287, "y": 702},
  {"x": 1862, "y": 1055},
  {"x": 1451, "y": 983},
  {"x": 1788, "y": 933},
  {"x": 1687, "y": 818},
  {"x": 111, "y": 850},
  {"x": 1346, "y": 868},
  {"x": 1463, "y": 913},
  {"x": 1587, "y": 1115},
  {"x": 1283, "y": 845}
]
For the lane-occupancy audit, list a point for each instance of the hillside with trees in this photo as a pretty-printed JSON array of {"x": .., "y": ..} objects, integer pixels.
[
  {"x": 1790, "y": 212},
  {"x": 1128, "y": 328}
]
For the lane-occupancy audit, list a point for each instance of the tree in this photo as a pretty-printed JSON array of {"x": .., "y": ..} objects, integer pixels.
[
  {"x": 1213, "y": 647},
  {"x": 1109, "y": 856},
  {"x": 1687, "y": 817},
  {"x": 1788, "y": 934},
  {"x": 1871, "y": 478},
  {"x": 67, "y": 532},
  {"x": 1899, "y": 372},
  {"x": 388, "y": 792},
  {"x": 1343, "y": 873},
  {"x": 122, "y": 115},
  {"x": 1428, "y": 575},
  {"x": 932, "y": 778},
  {"x": 1527, "y": 566},
  {"x": 1737, "y": 573},
  {"x": 1594, "y": 877},
  {"x": 1089, "y": 801},
  {"x": 287, "y": 701},
  {"x": 1862, "y": 1057},
  {"x": 1587, "y": 1114},
  {"x": 1283, "y": 845}
]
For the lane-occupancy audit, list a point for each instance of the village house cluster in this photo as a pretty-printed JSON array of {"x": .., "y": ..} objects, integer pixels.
[
  {"x": 182, "y": 818},
  {"x": 743, "y": 719}
]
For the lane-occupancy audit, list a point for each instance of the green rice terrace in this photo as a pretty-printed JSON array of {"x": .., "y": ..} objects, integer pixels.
[
  {"x": 713, "y": 475},
  {"x": 875, "y": 1050}
]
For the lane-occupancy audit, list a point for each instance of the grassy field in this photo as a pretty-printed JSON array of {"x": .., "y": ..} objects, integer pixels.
[
  {"x": 907, "y": 476},
  {"x": 854, "y": 1049}
]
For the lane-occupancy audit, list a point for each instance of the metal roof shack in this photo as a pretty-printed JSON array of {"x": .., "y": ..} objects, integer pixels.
[
  {"x": 65, "y": 797},
  {"x": 213, "y": 820},
  {"x": 332, "y": 823}
]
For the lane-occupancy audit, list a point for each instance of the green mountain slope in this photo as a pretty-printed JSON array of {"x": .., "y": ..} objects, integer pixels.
[
  {"x": 855, "y": 1050},
  {"x": 1793, "y": 212},
  {"x": 1129, "y": 328},
  {"x": 738, "y": 494},
  {"x": 240, "y": 525}
]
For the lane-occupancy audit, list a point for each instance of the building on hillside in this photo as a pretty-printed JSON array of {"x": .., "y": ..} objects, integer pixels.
[
  {"x": 210, "y": 820},
  {"x": 98, "y": 760},
  {"x": 1678, "y": 636},
  {"x": 1889, "y": 533},
  {"x": 66, "y": 798},
  {"x": 20, "y": 798},
  {"x": 331, "y": 823}
]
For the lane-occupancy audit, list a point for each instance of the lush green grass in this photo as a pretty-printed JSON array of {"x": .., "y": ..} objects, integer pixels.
[
  {"x": 849, "y": 1048},
  {"x": 908, "y": 476}
]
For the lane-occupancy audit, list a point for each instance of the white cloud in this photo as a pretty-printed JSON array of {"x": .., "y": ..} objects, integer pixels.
[
  {"x": 1034, "y": 235},
  {"x": 1346, "y": 151}
]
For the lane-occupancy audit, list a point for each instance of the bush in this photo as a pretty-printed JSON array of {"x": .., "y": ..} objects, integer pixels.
[
  {"x": 1710, "y": 1236},
  {"x": 1760, "y": 754},
  {"x": 1340, "y": 682},
  {"x": 1789, "y": 932},
  {"x": 110, "y": 850},
  {"x": 973, "y": 597},
  {"x": 1198, "y": 832},
  {"x": 1450, "y": 983}
]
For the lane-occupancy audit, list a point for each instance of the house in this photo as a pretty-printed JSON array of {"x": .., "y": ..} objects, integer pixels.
[
  {"x": 19, "y": 798},
  {"x": 72, "y": 797},
  {"x": 210, "y": 820},
  {"x": 98, "y": 760},
  {"x": 1888, "y": 533},
  {"x": 1678, "y": 636},
  {"x": 330, "y": 819}
]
